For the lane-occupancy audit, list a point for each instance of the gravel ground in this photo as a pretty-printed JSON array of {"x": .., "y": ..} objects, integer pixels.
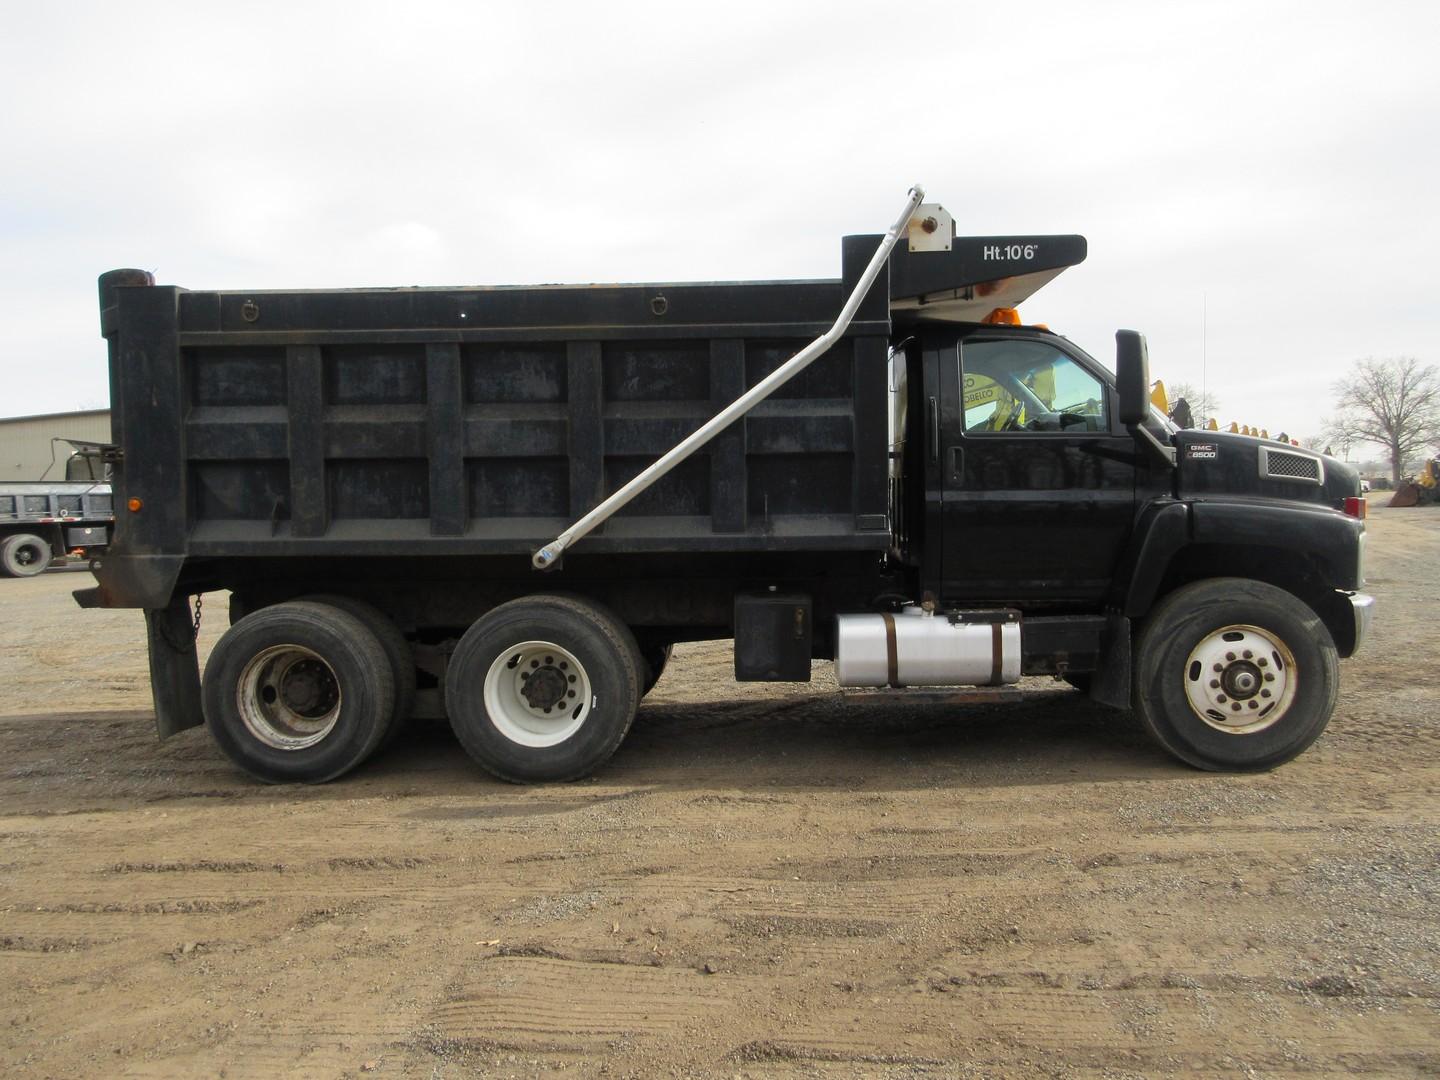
[{"x": 764, "y": 882}]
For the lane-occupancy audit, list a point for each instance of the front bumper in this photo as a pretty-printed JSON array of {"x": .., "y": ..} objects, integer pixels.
[{"x": 1363, "y": 606}]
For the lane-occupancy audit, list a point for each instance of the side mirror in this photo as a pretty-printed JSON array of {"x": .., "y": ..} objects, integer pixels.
[{"x": 1132, "y": 376}]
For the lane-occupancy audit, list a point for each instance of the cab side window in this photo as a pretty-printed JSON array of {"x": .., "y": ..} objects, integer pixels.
[{"x": 1017, "y": 385}]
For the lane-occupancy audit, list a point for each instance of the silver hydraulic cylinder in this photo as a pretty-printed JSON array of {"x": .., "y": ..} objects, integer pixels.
[{"x": 914, "y": 647}]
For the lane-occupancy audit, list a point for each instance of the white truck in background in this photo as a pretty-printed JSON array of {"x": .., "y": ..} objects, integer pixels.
[{"x": 43, "y": 520}]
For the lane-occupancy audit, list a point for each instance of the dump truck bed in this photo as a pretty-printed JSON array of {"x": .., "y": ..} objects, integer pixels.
[{"x": 483, "y": 420}]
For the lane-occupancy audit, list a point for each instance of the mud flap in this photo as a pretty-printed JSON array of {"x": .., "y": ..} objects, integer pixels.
[
  {"x": 1111, "y": 684},
  {"x": 174, "y": 667}
]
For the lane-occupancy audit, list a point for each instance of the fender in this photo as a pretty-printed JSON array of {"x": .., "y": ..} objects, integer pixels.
[
  {"x": 1162, "y": 530},
  {"x": 1329, "y": 537},
  {"x": 1166, "y": 527}
]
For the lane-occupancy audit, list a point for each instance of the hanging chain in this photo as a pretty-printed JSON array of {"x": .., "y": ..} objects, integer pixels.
[{"x": 161, "y": 625}]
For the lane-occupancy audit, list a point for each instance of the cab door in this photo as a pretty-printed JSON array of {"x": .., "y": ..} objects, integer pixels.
[{"x": 1038, "y": 478}]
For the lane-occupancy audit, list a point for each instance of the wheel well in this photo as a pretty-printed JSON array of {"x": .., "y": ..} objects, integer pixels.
[{"x": 1298, "y": 573}]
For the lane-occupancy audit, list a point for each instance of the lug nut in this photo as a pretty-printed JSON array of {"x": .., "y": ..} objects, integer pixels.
[
  {"x": 1247, "y": 654},
  {"x": 1235, "y": 705},
  {"x": 1214, "y": 684},
  {"x": 1254, "y": 704},
  {"x": 1263, "y": 662},
  {"x": 1230, "y": 656},
  {"x": 1269, "y": 677},
  {"x": 1264, "y": 693},
  {"x": 1219, "y": 667},
  {"x": 1221, "y": 698}
]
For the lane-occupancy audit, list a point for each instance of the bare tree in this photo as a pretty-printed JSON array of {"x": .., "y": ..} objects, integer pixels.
[
  {"x": 1203, "y": 407},
  {"x": 1394, "y": 403},
  {"x": 1338, "y": 436}
]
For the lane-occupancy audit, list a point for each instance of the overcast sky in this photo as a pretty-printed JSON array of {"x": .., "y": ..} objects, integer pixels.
[{"x": 1273, "y": 165}]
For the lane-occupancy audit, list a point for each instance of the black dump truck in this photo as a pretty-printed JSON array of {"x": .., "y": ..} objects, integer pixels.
[{"x": 505, "y": 505}]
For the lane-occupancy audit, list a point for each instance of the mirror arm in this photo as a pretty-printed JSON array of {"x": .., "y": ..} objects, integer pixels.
[{"x": 1166, "y": 452}]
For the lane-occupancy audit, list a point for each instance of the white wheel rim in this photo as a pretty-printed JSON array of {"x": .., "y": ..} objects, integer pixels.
[
  {"x": 537, "y": 694},
  {"x": 1241, "y": 679},
  {"x": 288, "y": 697}
]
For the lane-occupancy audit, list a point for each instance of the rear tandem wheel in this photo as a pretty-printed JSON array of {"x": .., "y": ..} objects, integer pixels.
[
  {"x": 544, "y": 688},
  {"x": 299, "y": 691}
]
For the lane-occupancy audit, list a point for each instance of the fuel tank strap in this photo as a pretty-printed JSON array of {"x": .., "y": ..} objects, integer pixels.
[
  {"x": 997, "y": 656},
  {"x": 892, "y": 651}
]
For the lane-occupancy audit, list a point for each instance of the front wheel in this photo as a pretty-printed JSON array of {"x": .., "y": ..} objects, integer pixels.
[
  {"x": 1235, "y": 675},
  {"x": 543, "y": 688}
]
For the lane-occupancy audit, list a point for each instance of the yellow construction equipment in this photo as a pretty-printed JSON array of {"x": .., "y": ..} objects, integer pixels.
[{"x": 1422, "y": 489}]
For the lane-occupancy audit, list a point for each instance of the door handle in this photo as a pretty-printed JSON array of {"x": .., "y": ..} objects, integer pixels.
[
  {"x": 934, "y": 429},
  {"x": 956, "y": 463}
]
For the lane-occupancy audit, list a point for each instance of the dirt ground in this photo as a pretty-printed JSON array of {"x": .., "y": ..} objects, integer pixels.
[{"x": 762, "y": 883}]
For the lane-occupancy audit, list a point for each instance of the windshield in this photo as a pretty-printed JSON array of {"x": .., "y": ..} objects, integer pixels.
[{"x": 1158, "y": 418}]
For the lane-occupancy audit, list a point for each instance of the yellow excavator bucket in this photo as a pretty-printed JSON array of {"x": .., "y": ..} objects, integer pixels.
[{"x": 1158, "y": 398}]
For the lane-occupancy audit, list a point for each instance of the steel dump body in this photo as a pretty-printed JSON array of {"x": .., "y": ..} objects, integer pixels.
[{"x": 481, "y": 421}]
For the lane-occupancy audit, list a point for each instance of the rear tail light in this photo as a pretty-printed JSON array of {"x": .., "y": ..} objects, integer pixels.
[{"x": 1355, "y": 506}]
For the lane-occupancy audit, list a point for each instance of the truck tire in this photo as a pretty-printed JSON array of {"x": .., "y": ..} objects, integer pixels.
[
  {"x": 397, "y": 651},
  {"x": 544, "y": 688},
  {"x": 1235, "y": 675},
  {"x": 25, "y": 555},
  {"x": 298, "y": 692}
]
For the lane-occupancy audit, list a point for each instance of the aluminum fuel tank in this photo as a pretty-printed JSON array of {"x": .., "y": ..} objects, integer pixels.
[{"x": 916, "y": 648}]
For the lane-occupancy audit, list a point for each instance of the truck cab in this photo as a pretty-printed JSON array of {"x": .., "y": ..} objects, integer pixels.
[{"x": 1037, "y": 480}]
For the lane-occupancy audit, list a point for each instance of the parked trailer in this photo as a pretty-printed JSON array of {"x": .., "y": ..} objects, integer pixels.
[{"x": 505, "y": 505}]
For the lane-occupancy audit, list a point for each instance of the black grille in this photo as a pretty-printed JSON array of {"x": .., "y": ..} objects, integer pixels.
[{"x": 1292, "y": 466}]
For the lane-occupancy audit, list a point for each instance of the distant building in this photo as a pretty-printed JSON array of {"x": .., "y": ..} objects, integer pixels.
[{"x": 26, "y": 449}]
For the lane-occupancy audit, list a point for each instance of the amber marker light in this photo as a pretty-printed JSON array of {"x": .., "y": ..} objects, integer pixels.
[
  {"x": 134, "y": 505},
  {"x": 1003, "y": 316}
]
